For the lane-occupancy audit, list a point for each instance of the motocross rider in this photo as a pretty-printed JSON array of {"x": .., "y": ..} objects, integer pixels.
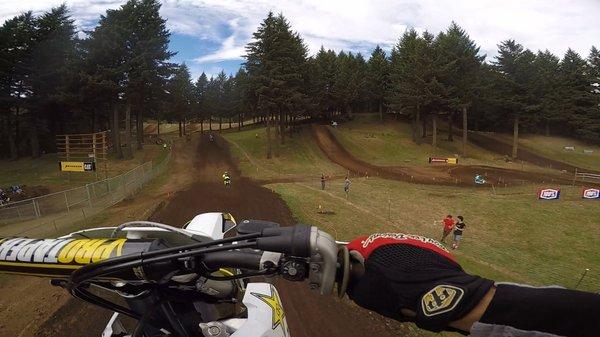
[
  {"x": 226, "y": 179},
  {"x": 412, "y": 278}
]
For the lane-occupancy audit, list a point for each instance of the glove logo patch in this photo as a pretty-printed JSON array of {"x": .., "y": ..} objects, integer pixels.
[{"x": 441, "y": 299}]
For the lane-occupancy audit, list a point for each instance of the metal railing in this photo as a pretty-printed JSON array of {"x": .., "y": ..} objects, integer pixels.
[{"x": 88, "y": 199}]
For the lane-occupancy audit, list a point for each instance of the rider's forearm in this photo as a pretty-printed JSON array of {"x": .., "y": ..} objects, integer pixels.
[
  {"x": 524, "y": 311},
  {"x": 467, "y": 322}
]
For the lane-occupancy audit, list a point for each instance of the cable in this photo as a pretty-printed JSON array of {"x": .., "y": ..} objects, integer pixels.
[
  {"x": 134, "y": 224},
  {"x": 85, "y": 295},
  {"x": 134, "y": 260},
  {"x": 240, "y": 276}
]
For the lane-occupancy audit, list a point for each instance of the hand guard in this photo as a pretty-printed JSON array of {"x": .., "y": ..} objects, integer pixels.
[{"x": 412, "y": 272}]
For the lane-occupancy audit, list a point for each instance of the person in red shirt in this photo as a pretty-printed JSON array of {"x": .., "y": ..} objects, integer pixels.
[{"x": 448, "y": 225}]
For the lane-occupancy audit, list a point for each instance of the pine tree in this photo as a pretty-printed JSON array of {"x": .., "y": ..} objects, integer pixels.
[
  {"x": 182, "y": 96},
  {"x": 221, "y": 91},
  {"x": 594, "y": 70},
  {"x": 105, "y": 69},
  {"x": 147, "y": 56},
  {"x": 276, "y": 64},
  {"x": 378, "y": 78},
  {"x": 49, "y": 70},
  {"x": 461, "y": 63},
  {"x": 200, "y": 88},
  {"x": 514, "y": 88},
  {"x": 17, "y": 40},
  {"x": 414, "y": 86},
  {"x": 546, "y": 88},
  {"x": 239, "y": 97},
  {"x": 578, "y": 102},
  {"x": 323, "y": 80}
]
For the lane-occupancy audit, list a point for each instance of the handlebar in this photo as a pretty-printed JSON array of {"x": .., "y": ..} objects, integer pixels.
[
  {"x": 297, "y": 253},
  {"x": 250, "y": 260}
]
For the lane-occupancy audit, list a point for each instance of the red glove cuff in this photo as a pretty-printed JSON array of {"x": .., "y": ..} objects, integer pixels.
[{"x": 365, "y": 245}]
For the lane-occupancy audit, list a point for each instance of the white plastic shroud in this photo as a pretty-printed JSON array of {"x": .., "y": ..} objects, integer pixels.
[{"x": 266, "y": 317}]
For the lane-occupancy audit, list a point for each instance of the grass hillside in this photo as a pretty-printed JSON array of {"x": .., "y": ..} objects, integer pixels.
[
  {"x": 510, "y": 235},
  {"x": 554, "y": 148},
  {"x": 391, "y": 144},
  {"x": 298, "y": 157}
]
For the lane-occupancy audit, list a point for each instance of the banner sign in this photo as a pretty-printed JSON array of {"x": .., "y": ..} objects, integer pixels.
[
  {"x": 75, "y": 166},
  {"x": 549, "y": 193},
  {"x": 590, "y": 193},
  {"x": 433, "y": 160}
]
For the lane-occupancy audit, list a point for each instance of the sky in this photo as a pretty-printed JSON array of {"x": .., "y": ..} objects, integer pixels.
[{"x": 210, "y": 35}]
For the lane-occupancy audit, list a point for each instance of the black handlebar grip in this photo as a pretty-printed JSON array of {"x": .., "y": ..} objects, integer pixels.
[
  {"x": 293, "y": 241},
  {"x": 232, "y": 259}
]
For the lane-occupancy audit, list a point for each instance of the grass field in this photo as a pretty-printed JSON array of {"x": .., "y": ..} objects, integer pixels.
[
  {"x": 510, "y": 234},
  {"x": 44, "y": 171},
  {"x": 298, "y": 157},
  {"x": 554, "y": 148}
]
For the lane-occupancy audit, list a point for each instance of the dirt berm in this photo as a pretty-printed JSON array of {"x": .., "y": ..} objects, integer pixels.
[{"x": 456, "y": 175}]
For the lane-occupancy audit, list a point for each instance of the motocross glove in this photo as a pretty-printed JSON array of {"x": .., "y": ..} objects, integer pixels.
[{"x": 409, "y": 273}]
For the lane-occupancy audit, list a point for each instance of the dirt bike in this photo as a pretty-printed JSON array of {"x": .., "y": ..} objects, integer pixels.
[{"x": 190, "y": 281}]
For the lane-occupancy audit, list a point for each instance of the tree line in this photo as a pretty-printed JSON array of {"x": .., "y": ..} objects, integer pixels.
[
  {"x": 56, "y": 80},
  {"x": 424, "y": 78}
]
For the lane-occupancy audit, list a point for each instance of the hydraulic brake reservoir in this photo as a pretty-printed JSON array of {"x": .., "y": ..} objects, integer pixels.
[{"x": 58, "y": 258}]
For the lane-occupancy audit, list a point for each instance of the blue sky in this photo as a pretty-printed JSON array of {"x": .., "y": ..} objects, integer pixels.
[
  {"x": 210, "y": 35},
  {"x": 189, "y": 48}
]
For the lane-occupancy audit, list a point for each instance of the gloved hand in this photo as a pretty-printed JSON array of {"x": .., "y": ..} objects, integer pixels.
[{"x": 412, "y": 278}]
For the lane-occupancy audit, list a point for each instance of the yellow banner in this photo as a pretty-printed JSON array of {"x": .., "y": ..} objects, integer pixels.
[
  {"x": 452, "y": 160},
  {"x": 75, "y": 166}
]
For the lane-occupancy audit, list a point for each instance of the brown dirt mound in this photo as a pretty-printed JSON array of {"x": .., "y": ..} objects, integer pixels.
[
  {"x": 339, "y": 155},
  {"x": 435, "y": 175},
  {"x": 308, "y": 314}
]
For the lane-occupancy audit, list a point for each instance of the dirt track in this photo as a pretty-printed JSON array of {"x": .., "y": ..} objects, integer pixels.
[
  {"x": 461, "y": 175},
  {"x": 42, "y": 310},
  {"x": 308, "y": 314}
]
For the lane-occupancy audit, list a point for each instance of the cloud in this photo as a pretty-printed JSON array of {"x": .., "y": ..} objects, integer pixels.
[
  {"x": 359, "y": 25},
  {"x": 228, "y": 51},
  {"x": 85, "y": 13}
]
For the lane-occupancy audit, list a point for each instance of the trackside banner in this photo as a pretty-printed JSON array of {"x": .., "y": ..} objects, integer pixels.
[
  {"x": 442, "y": 160},
  {"x": 590, "y": 193},
  {"x": 75, "y": 166},
  {"x": 548, "y": 193}
]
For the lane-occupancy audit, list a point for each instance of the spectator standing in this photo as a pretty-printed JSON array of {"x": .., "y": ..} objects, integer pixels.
[
  {"x": 322, "y": 181},
  {"x": 459, "y": 228},
  {"x": 347, "y": 186},
  {"x": 448, "y": 225}
]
